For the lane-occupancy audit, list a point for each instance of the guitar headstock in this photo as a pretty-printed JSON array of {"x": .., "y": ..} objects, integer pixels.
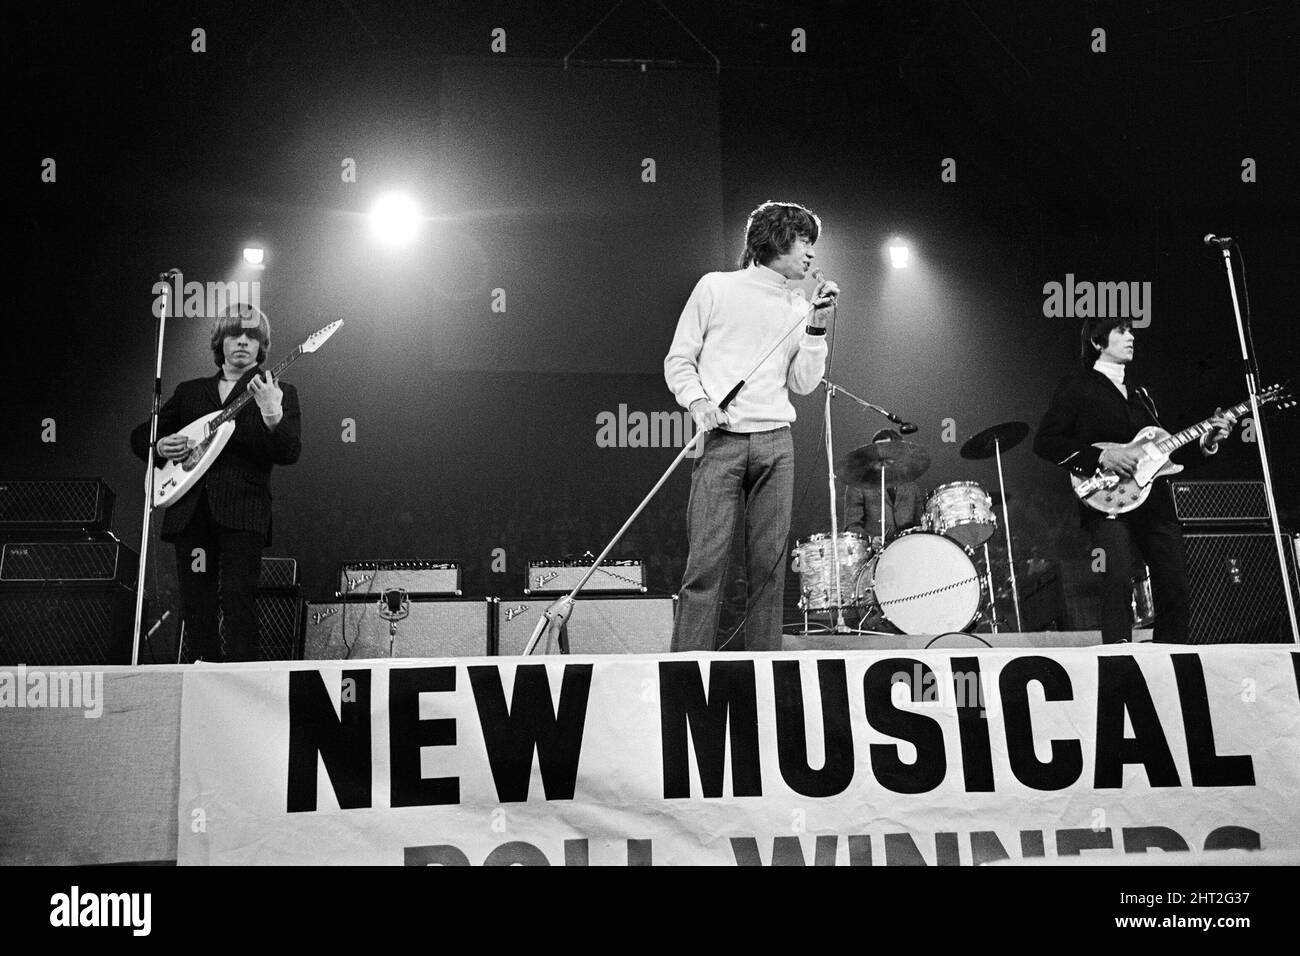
[
  {"x": 318, "y": 338},
  {"x": 1278, "y": 394}
]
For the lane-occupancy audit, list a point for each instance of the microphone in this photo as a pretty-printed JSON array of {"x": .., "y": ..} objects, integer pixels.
[
  {"x": 906, "y": 428},
  {"x": 1218, "y": 242},
  {"x": 168, "y": 274},
  {"x": 820, "y": 277}
]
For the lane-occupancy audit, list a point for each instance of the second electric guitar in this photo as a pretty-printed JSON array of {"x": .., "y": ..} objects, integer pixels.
[
  {"x": 1112, "y": 493},
  {"x": 172, "y": 479}
]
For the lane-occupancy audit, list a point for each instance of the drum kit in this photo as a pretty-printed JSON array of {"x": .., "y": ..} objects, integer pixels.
[{"x": 921, "y": 580}]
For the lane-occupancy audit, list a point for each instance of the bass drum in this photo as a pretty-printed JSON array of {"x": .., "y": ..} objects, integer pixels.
[{"x": 925, "y": 584}]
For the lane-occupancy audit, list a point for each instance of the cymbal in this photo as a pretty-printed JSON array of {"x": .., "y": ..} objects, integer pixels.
[
  {"x": 901, "y": 461},
  {"x": 1007, "y": 435}
]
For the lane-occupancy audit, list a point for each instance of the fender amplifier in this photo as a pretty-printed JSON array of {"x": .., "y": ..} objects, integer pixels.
[
  {"x": 418, "y": 578},
  {"x": 394, "y": 625},
  {"x": 561, "y": 577},
  {"x": 598, "y": 625}
]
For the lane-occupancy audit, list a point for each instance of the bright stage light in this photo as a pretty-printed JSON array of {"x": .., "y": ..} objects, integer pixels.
[
  {"x": 395, "y": 219},
  {"x": 254, "y": 255},
  {"x": 899, "y": 255}
]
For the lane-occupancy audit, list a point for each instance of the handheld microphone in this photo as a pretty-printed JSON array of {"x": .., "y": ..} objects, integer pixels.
[
  {"x": 820, "y": 277},
  {"x": 906, "y": 428},
  {"x": 1218, "y": 242}
]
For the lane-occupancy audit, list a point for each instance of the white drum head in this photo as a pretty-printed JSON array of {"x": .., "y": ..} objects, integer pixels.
[{"x": 926, "y": 584}]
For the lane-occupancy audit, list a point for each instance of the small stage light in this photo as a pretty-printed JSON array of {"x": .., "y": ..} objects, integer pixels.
[
  {"x": 395, "y": 219},
  {"x": 254, "y": 255},
  {"x": 899, "y": 255}
]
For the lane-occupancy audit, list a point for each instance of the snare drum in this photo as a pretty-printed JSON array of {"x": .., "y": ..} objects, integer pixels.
[
  {"x": 925, "y": 583},
  {"x": 812, "y": 561},
  {"x": 963, "y": 511}
]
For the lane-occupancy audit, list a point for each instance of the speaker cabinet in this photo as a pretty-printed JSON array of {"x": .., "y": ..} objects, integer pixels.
[
  {"x": 402, "y": 627},
  {"x": 279, "y": 627},
  {"x": 598, "y": 625},
  {"x": 56, "y": 625},
  {"x": 1236, "y": 589}
]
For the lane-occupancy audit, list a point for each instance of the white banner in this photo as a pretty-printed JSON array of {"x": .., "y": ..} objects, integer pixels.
[{"x": 862, "y": 758}]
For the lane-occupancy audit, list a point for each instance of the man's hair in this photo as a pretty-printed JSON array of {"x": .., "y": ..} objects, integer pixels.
[
  {"x": 1094, "y": 336},
  {"x": 232, "y": 323},
  {"x": 886, "y": 434},
  {"x": 772, "y": 229}
]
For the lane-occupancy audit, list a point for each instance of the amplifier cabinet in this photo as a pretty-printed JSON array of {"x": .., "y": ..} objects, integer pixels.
[
  {"x": 561, "y": 577},
  {"x": 399, "y": 627},
  {"x": 1236, "y": 588},
  {"x": 67, "y": 562},
  {"x": 418, "y": 578},
  {"x": 279, "y": 627},
  {"x": 54, "y": 504},
  {"x": 66, "y": 625},
  {"x": 598, "y": 625},
  {"x": 1220, "y": 502}
]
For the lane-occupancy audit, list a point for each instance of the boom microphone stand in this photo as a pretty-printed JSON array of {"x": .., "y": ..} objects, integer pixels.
[
  {"x": 840, "y": 626},
  {"x": 1252, "y": 388},
  {"x": 555, "y": 619},
  {"x": 165, "y": 279}
]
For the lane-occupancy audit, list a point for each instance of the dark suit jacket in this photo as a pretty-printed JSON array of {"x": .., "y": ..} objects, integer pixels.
[
  {"x": 862, "y": 509},
  {"x": 1087, "y": 408},
  {"x": 238, "y": 483}
]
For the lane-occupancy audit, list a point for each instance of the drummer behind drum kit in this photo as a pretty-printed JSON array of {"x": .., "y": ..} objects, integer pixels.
[{"x": 923, "y": 580}]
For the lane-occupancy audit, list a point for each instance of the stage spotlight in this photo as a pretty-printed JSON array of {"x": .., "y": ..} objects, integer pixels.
[
  {"x": 254, "y": 255},
  {"x": 899, "y": 254},
  {"x": 395, "y": 219}
]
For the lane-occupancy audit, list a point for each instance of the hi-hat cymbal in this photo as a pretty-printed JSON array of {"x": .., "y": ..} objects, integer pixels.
[
  {"x": 1006, "y": 436},
  {"x": 900, "y": 461}
]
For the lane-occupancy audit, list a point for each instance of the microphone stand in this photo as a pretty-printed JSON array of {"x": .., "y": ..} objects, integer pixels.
[
  {"x": 555, "y": 619},
  {"x": 840, "y": 626},
  {"x": 165, "y": 279},
  {"x": 1252, "y": 388}
]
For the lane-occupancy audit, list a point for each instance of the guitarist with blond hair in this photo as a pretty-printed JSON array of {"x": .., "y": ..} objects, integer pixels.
[
  {"x": 221, "y": 524},
  {"x": 1099, "y": 403}
]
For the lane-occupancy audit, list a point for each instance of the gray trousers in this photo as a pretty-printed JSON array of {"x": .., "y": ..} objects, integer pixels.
[{"x": 747, "y": 477}]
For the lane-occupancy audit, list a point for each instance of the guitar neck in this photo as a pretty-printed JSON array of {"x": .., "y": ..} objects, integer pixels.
[
  {"x": 1176, "y": 441},
  {"x": 237, "y": 405}
]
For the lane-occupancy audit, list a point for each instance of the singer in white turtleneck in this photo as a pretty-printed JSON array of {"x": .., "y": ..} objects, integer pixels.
[{"x": 746, "y": 469}]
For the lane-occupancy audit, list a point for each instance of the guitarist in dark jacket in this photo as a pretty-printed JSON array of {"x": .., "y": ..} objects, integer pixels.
[
  {"x": 220, "y": 526},
  {"x": 1099, "y": 404}
]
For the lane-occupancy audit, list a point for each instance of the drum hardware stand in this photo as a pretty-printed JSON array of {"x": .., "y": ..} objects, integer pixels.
[
  {"x": 993, "y": 597},
  {"x": 555, "y": 619},
  {"x": 841, "y": 627},
  {"x": 1006, "y": 524},
  {"x": 1246, "y": 342},
  {"x": 165, "y": 280}
]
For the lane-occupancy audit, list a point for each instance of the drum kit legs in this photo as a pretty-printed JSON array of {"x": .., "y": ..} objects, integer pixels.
[{"x": 923, "y": 580}]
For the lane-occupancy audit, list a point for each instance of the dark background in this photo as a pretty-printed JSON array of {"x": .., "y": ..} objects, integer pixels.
[{"x": 476, "y": 429}]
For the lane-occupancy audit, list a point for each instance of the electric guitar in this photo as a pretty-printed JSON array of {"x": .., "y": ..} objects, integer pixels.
[
  {"x": 172, "y": 479},
  {"x": 1112, "y": 493}
]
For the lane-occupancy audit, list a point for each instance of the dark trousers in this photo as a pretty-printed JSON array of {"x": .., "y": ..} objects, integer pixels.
[
  {"x": 749, "y": 476},
  {"x": 217, "y": 567},
  {"x": 1151, "y": 533}
]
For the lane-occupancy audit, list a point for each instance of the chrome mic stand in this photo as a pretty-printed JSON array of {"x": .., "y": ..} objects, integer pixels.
[
  {"x": 165, "y": 279},
  {"x": 1252, "y": 387}
]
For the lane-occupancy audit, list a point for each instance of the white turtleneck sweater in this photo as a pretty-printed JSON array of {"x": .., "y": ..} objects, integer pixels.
[
  {"x": 729, "y": 321},
  {"x": 1113, "y": 371}
]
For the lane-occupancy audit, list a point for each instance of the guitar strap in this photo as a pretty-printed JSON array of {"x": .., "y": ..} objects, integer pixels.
[{"x": 1147, "y": 402}]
